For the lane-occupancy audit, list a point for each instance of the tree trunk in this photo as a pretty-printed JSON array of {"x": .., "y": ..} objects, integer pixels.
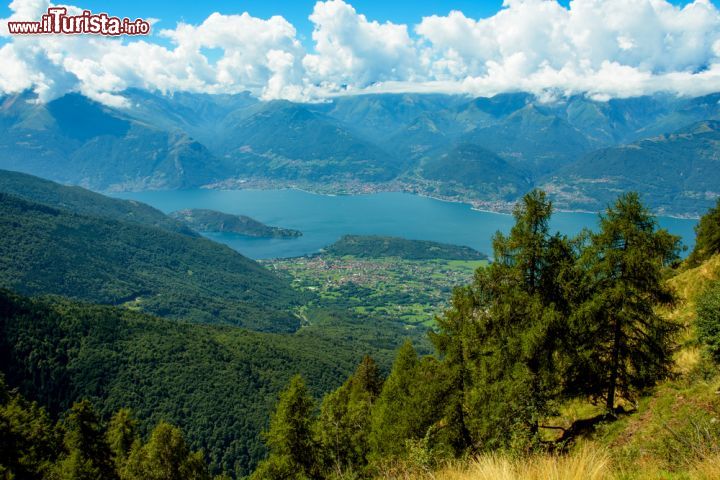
[{"x": 614, "y": 367}]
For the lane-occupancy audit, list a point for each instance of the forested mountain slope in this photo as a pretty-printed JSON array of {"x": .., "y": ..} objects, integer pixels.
[
  {"x": 46, "y": 250},
  {"x": 218, "y": 383},
  {"x": 85, "y": 202}
]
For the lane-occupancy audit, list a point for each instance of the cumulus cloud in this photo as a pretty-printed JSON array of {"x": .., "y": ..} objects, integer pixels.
[
  {"x": 606, "y": 48},
  {"x": 601, "y": 48},
  {"x": 263, "y": 56},
  {"x": 352, "y": 51}
]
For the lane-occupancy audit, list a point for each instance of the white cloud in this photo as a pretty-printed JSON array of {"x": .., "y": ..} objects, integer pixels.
[
  {"x": 603, "y": 48},
  {"x": 263, "y": 56},
  {"x": 350, "y": 50}
]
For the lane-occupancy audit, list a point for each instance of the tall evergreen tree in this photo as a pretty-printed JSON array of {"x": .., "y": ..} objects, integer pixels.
[
  {"x": 520, "y": 306},
  {"x": 625, "y": 343},
  {"x": 28, "y": 440},
  {"x": 408, "y": 404},
  {"x": 454, "y": 341},
  {"x": 166, "y": 456},
  {"x": 707, "y": 236},
  {"x": 344, "y": 424},
  {"x": 708, "y": 319},
  {"x": 290, "y": 438},
  {"x": 88, "y": 454},
  {"x": 121, "y": 436}
]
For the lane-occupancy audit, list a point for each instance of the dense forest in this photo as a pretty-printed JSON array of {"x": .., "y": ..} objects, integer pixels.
[
  {"x": 45, "y": 249},
  {"x": 97, "y": 391},
  {"x": 82, "y": 446},
  {"x": 217, "y": 383}
]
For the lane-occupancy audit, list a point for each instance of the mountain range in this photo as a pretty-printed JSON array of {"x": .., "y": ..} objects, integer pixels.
[{"x": 582, "y": 151}]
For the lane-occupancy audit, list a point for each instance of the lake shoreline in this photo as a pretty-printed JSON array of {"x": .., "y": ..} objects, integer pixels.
[
  {"x": 324, "y": 217},
  {"x": 348, "y": 189}
]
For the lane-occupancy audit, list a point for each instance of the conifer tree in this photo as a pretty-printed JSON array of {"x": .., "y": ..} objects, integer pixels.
[
  {"x": 28, "y": 440},
  {"x": 166, "y": 456},
  {"x": 88, "y": 454},
  {"x": 708, "y": 319},
  {"x": 454, "y": 341},
  {"x": 627, "y": 343},
  {"x": 519, "y": 311},
  {"x": 344, "y": 424},
  {"x": 290, "y": 439},
  {"x": 408, "y": 404},
  {"x": 121, "y": 435},
  {"x": 707, "y": 236}
]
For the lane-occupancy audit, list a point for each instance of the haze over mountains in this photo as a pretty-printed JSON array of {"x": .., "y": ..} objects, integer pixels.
[{"x": 485, "y": 149}]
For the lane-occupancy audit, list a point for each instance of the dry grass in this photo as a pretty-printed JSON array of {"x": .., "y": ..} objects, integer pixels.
[
  {"x": 590, "y": 462},
  {"x": 707, "y": 469},
  {"x": 585, "y": 464}
]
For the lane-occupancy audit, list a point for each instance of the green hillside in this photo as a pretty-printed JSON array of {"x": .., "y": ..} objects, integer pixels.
[
  {"x": 282, "y": 140},
  {"x": 202, "y": 220},
  {"x": 479, "y": 170},
  {"x": 216, "y": 383},
  {"x": 373, "y": 246},
  {"x": 532, "y": 138},
  {"x": 45, "y": 250},
  {"x": 678, "y": 172},
  {"x": 74, "y": 139},
  {"x": 85, "y": 202}
]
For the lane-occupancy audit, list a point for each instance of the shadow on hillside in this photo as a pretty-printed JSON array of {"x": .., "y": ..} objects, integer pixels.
[{"x": 582, "y": 428}]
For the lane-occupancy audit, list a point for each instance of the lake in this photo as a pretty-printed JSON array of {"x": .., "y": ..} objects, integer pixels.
[{"x": 323, "y": 218}]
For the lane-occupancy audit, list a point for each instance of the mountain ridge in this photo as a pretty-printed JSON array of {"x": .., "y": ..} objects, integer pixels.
[{"x": 363, "y": 142}]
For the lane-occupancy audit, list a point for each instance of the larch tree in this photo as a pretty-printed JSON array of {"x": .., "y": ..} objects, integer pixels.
[
  {"x": 344, "y": 424},
  {"x": 518, "y": 323},
  {"x": 628, "y": 344},
  {"x": 291, "y": 436}
]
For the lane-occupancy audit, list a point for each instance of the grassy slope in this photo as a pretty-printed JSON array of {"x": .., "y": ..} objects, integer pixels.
[
  {"x": 85, "y": 202},
  {"x": 673, "y": 433}
]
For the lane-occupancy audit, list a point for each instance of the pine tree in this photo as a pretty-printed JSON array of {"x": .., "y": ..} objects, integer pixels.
[
  {"x": 290, "y": 439},
  {"x": 627, "y": 343},
  {"x": 707, "y": 236},
  {"x": 344, "y": 424},
  {"x": 517, "y": 324},
  {"x": 708, "y": 319},
  {"x": 121, "y": 435},
  {"x": 166, "y": 456},
  {"x": 408, "y": 405},
  {"x": 88, "y": 454},
  {"x": 28, "y": 440},
  {"x": 454, "y": 342}
]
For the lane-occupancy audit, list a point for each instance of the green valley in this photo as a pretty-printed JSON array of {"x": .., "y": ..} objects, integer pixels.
[{"x": 401, "y": 280}]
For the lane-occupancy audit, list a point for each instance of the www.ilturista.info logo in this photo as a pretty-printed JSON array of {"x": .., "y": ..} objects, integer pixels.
[{"x": 57, "y": 21}]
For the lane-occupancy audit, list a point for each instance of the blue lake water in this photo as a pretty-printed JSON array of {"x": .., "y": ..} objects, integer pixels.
[{"x": 323, "y": 219}]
